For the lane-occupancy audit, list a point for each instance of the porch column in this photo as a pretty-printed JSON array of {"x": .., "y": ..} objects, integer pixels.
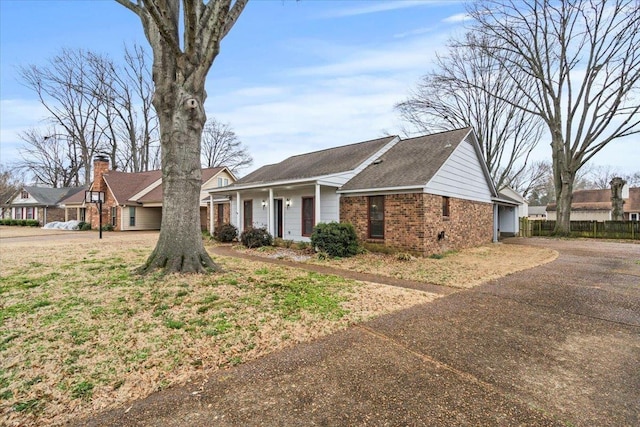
[
  {"x": 239, "y": 223},
  {"x": 270, "y": 215},
  {"x": 317, "y": 206},
  {"x": 211, "y": 221}
]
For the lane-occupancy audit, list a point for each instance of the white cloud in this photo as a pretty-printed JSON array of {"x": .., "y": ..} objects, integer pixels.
[
  {"x": 384, "y": 7},
  {"x": 457, "y": 18}
]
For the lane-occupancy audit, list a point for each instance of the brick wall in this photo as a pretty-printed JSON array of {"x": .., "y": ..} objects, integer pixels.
[{"x": 414, "y": 220}]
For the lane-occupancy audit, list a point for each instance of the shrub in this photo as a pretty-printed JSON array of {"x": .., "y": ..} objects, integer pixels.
[
  {"x": 22, "y": 222},
  {"x": 84, "y": 226},
  {"x": 32, "y": 223},
  {"x": 107, "y": 227},
  {"x": 225, "y": 233},
  {"x": 256, "y": 237},
  {"x": 336, "y": 239}
]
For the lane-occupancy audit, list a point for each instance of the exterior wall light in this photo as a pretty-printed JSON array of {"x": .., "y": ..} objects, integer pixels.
[
  {"x": 264, "y": 204},
  {"x": 288, "y": 203}
]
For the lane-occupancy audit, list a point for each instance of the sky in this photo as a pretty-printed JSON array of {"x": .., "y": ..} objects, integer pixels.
[{"x": 291, "y": 77}]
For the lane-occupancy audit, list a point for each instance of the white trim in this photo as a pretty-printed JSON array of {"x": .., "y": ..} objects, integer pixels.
[{"x": 146, "y": 190}]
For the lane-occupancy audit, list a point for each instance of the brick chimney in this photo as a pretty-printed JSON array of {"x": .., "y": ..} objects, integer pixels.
[
  {"x": 100, "y": 167},
  {"x": 617, "y": 201}
]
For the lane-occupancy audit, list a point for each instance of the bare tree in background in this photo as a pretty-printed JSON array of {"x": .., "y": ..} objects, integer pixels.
[
  {"x": 183, "y": 52},
  {"x": 582, "y": 62},
  {"x": 129, "y": 121},
  {"x": 10, "y": 183},
  {"x": 222, "y": 147},
  {"x": 468, "y": 87},
  {"x": 49, "y": 158},
  {"x": 599, "y": 177},
  {"x": 65, "y": 88}
]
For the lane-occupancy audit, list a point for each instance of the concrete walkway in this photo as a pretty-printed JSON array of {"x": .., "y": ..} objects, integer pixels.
[{"x": 555, "y": 345}]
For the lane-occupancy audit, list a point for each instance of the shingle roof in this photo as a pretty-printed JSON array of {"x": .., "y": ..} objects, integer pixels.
[
  {"x": 318, "y": 163},
  {"x": 584, "y": 200},
  {"x": 411, "y": 162},
  {"x": 124, "y": 185},
  {"x": 51, "y": 196},
  {"x": 155, "y": 195}
]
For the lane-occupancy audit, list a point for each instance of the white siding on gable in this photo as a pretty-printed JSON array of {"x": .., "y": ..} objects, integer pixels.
[{"x": 461, "y": 176}]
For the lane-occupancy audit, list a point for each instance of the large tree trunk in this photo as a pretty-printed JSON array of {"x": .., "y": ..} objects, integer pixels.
[
  {"x": 180, "y": 247},
  {"x": 563, "y": 182}
]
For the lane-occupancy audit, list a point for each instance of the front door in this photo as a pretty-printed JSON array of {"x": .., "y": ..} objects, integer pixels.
[{"x": 277, "y": 216}]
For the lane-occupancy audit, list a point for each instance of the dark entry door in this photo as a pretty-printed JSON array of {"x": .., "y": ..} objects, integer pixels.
[{"x": 277, "y": 214}]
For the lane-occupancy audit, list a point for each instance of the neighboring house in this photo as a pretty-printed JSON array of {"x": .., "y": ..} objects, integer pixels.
[
  {"x": 538, "y": 212},
  {"x": 133, "y": 201},
  {"x": 425, "y": 195},
  {"x": 595, "y": 205},
  {"x": 40, "y": 203},
  {"x": 511, "y": 207}
]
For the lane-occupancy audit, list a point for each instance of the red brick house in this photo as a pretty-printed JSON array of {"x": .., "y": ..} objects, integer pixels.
[
  {"x": 133, "y": 201},
  {"x": 425, "y": 195}
]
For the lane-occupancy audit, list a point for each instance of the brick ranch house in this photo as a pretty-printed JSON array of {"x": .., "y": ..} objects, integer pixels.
[
  {"x": 133, "y": 201},
  {"x": 39, "y": 203},
  {"x": 424, "y": 195}
]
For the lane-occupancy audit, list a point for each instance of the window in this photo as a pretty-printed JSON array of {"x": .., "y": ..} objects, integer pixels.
[
  {"x": 114, "y": 216},
  {"x": 226, "y": 181},
  {"x": 132, "y": 216},
  {"x": 634, "y": 216},
  {"x": 219, "y": 182},
  {"x": 18, "y": 213},
  {"x": 446, "y": 207},
  {"x": 376, "y": 217},
  {"x": 24, "y": 195},
  {"x": 308, "y": 216},
  {"x": 29, "y": 213},
  {"x": 248, "y": 214},
  {"x": 83, "y": 215}
]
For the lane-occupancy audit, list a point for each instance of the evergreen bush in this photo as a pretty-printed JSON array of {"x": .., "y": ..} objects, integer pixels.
[
  {"x": 225, "y": 233},
  {"x": 336, "y": 239},
  {"x": 256, "y": 237}
]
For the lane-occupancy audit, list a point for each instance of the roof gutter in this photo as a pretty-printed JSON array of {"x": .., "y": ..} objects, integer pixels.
[{"x": 384, "y": 189}]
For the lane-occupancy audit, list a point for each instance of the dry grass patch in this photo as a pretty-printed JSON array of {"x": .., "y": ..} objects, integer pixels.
[
  {"x": 459, "y": 269},
  {"x": 80, "y": 331}
]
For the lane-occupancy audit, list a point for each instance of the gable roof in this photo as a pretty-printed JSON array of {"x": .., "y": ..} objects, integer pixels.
[
  {"x": 124, "y": 185},
  {"x": 410, "y": 163},
  {"x": 51, "y": 196},
  {"x": 155, "y": 195},
  {"x": 591, "y": 200},
  {"x": 317, "y": 163}
]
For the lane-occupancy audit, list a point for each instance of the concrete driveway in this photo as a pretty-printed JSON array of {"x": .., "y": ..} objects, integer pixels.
[{"x": 555, "y": 345}]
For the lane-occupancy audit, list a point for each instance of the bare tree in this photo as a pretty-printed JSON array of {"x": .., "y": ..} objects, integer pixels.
[
  {"x": 50, "y": 159},
  {"x": 599, "y": 177},
  {"x": 582, "y": 62},
  {"x": 468, "y": 88},
  {"x": 65, "y": 88},
  {"x": 128, "y": 120},
  {"x": 183, "y": 53},
  {"x": 536, "y": 177},
  {"x": 222, "y": 147},
  {"x": 9, "y": 184}
]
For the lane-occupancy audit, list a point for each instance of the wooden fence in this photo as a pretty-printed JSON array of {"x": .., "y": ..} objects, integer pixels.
[{"x": 595, "y": 229}]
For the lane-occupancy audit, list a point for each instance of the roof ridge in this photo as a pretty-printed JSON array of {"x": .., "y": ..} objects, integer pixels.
[
  {"x": 336, "y": 147},
  {"x": 437, "y": 133}
]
